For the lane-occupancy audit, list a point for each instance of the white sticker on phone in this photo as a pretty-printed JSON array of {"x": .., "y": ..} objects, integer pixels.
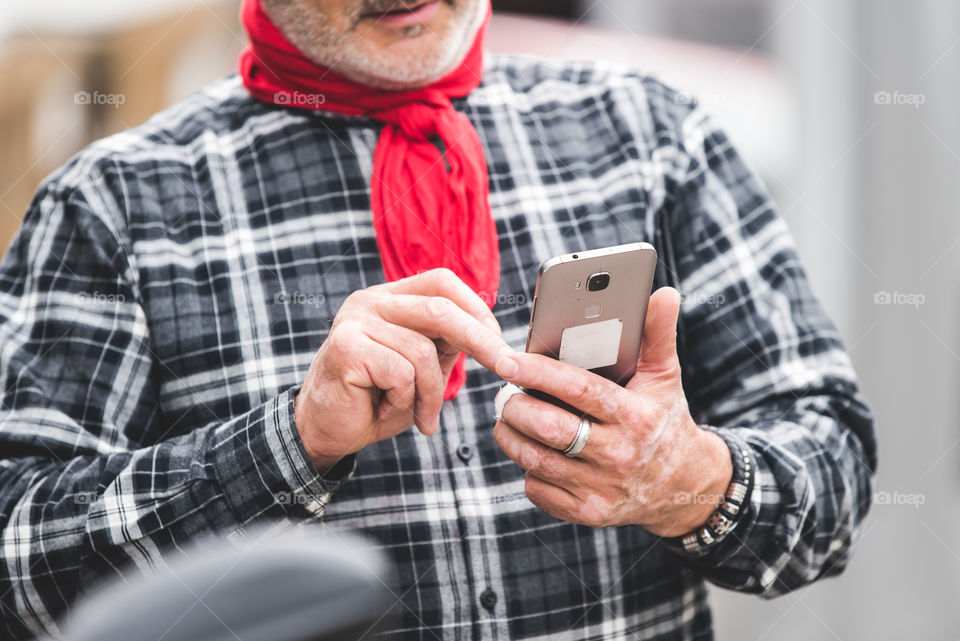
[{"x": 592, "y": 345}]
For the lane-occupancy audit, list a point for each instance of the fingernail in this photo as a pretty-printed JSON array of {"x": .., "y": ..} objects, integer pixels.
[
  {"x": 506, "y": 367},
  {"x": 493, "y": 325}
]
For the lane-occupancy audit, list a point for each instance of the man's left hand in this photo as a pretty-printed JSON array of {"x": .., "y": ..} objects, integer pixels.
[{"x": 646, "y": 462}]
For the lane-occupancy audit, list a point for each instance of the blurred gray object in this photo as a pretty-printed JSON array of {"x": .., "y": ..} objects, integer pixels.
[{"x": 307, "y": 586}]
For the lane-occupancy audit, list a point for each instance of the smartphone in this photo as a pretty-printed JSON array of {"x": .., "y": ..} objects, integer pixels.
[{"x": 589, "y": 309}]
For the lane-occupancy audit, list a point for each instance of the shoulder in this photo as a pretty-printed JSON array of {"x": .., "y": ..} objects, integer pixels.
[
  {"x": 218, "y": 111},
  {"x": 633, "y": 98},
  {"x": 163, "y": 155}
]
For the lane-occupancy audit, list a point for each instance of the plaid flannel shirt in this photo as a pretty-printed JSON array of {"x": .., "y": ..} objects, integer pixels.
[{"x": 171, "y": 284}]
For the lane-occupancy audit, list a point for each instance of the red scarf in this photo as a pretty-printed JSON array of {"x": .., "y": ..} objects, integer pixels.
[{"x": 429, "y": 209}]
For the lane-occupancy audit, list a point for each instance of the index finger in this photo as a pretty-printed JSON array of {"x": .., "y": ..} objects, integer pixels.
[
  {"x": 444, "y": 282},
  {"x": 588, "y": 392},
  {"x": 439, "y": 317}
]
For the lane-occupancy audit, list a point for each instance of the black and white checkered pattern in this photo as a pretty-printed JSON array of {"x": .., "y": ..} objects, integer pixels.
[{"x": 171, "y": 284}]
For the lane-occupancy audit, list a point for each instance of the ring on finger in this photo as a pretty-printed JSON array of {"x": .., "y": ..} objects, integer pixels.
[
  {"x": 580, "y": 440},
  {"x": 503, "y": 395}
]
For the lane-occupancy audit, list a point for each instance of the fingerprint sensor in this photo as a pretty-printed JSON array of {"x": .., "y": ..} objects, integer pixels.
[{"x": 592, "y": 311}]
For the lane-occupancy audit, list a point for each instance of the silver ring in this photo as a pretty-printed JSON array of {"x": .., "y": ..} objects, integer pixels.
[
  {"x": 580, "y": 440},
  {"x": 503, "y": 395}
]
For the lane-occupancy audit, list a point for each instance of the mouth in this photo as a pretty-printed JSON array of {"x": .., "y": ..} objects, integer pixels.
[{"x": 408, "y": 14}]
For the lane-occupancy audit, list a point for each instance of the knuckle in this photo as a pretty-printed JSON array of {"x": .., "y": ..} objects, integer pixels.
[
  {"x": 560, "y": 433},
  {"x": 443, "y": 275},
  {"x": 404, "y": 374},
  {"x": 357, "y": 298},
  {"x": 594, "y": 511},
  {"x": 615, "y": 404},
  {"x": 582, "y": 389},
  {"x": 551, "y": 465},
  {"x": 424, "y": 351},
  {"x": 344, "y": 336},
  {"x": 400, "y": 373},
  {"x": 619, "y": 455},
  {"x": 531, "y": 459},
  {"x": 440, "y": 307},
  {"x": 629, "y": 414}
]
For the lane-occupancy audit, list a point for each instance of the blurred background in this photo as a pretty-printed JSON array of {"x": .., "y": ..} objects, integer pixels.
[{"x": 847, "y": 110}]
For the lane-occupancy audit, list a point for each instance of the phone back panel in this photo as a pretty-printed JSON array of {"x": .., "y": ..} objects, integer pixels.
[{"x": 571, "y": 323}]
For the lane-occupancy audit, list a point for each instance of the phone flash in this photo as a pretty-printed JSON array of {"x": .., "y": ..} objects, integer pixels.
[{"x": 578, "y": 285}]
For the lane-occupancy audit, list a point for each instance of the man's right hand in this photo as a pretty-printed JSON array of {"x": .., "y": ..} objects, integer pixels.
[{"x": 386, "y": 361}]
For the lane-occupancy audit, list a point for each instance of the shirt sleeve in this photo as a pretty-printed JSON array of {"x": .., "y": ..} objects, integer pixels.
[
  {"x": 765, "y": 368},
  {"x": 82, "y": 493}
]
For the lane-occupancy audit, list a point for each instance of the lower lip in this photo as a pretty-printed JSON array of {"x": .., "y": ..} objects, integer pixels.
[{"x": 406, "y": 18}]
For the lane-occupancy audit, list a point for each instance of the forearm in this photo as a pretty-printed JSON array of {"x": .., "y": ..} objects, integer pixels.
[
  {"x": 68, "y": 524},
  {"x": 766, "y": 368},
  {"x": 811, "y": 493}
]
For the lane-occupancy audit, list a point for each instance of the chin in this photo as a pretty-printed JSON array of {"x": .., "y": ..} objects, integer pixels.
[
  {"x": 411, "y": 62},
  {"x": 398, "y": 60}
]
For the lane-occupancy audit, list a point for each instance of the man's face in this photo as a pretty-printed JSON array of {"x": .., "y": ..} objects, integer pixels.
[{"x": 384, "y": 43}]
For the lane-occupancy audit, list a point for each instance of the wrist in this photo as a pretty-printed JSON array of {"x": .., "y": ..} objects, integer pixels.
[
  {"x": 714, "y": 463},
  {"x": 321, "y": 461},
  {"x": 733, "y": 502}
]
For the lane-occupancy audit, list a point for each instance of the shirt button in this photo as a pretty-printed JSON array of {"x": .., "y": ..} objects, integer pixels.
[
  {"x": 464, "y": 452},
  {"x": 488, "y": 599}
]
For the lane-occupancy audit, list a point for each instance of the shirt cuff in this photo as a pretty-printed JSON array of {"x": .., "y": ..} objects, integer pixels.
[{"x": 263, "y": 468}]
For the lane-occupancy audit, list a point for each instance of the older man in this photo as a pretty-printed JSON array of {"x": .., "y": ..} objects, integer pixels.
[{"x": 170, "y": 368}]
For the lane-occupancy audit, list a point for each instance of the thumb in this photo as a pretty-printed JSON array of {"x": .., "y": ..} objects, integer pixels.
[{"x": 658, "y": 349}]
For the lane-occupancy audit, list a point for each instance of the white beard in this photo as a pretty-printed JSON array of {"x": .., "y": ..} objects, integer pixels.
[{"x": 347, "y": 55}]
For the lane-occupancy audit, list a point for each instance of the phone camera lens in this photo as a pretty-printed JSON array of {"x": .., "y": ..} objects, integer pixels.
[{"x": 597, "y": 282}]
